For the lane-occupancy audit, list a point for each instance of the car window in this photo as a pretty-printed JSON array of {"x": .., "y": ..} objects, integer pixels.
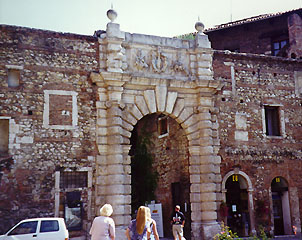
[
  {"x": 25, "y": 228},
  {"x": 49, "y": 226}
]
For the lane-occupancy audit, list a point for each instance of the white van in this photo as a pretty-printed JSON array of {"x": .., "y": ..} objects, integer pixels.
[{"x": 38, "y": 229}]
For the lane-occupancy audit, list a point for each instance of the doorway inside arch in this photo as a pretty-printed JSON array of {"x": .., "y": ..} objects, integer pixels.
[
  {"x": 168, "y": 148},
  {"x": 237, "y": 201},
  {"x": 281, "y": 208}
]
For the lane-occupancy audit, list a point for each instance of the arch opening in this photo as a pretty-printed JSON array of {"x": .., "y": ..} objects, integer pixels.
[
  {"x": 238, "y": 218},
  {"x": 281, "y": 207},
  {"x": 168, "y": 148}
]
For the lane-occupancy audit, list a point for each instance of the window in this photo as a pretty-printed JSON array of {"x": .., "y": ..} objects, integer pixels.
[
  {"x": 73, "y": 179},
  {"x": 272, "y": 121},
  {"x": 13, "y": 75},
  {"x": 277, "y": 46},
  {"x": 25, "y": 228},
  {"x": 13, "y": 79},
  {"x": 162, "y": 126},
  {"x": 4, "y": 133},
  {"x": 49, "y": 226}
]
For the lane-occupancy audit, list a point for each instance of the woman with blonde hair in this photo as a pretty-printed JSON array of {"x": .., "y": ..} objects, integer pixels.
[
  {"x": 103, "y": 227},
  {"x": 139, "y": 228},
  {"x": 154, "y": 234}
]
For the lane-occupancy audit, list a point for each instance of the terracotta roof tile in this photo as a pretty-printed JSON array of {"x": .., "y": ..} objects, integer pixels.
[{"x": 249, "y": 20}]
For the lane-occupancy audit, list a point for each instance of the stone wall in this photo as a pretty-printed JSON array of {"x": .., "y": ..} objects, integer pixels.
[
  {"x": 259, "y": 80},
  {"x": 51, "y": 118}
]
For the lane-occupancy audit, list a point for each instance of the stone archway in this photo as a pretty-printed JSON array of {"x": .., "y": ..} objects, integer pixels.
[
  {"x": 141, "y": 75},
  {"x": 249, "y": 189}
]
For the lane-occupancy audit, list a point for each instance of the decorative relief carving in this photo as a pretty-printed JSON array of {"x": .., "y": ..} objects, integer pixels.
[
  {"x": 124, "y": 60},
  {"x": 178, "y": 66},
  {"x": 159, "y": 61},
  {"x": 116, "y": 58},
  {"x": 140, "y": 61}
]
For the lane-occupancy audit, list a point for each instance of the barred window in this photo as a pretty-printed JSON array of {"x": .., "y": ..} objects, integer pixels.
[{"x": 73, "y": 179}]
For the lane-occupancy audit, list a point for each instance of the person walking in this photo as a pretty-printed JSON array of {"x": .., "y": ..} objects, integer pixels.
[
  {"x": 103, "y": 227},
  {"x": 139, "y": 228},
  {"x": 178, "y": 223},
  {"x": 154, "y": 234}
]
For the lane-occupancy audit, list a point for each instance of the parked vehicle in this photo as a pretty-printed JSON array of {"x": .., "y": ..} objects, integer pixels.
[{"x": 38, "y": 229}]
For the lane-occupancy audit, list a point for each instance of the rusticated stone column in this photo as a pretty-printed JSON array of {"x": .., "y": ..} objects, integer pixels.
[{"x": 209, "y": 176}]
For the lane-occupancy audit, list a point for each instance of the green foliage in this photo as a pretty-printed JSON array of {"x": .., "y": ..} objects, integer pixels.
[
  {"x": 188, "y": 36},
  {"x": 226, "y": 233},
  {"x": 144, "y": 177},
  {"x": 261, "y": 234}
]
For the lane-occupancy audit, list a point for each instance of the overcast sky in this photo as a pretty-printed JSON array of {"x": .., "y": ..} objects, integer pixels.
[{"x": 166, "y": 18}]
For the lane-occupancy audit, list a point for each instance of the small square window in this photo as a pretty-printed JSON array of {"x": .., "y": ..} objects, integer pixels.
[
  {"x": 272, "y": 121},
  {"x": 277, "y": 47}
]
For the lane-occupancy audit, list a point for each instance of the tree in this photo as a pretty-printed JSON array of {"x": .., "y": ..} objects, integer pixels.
[{"x": 143, "y": 176}]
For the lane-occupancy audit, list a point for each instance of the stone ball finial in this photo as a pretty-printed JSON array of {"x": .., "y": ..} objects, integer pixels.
[
  {"x": 199, "y": 26},
  {"x": 111, "y": 14}
]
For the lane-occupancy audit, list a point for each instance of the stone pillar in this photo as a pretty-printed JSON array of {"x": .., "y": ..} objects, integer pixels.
[
  {"x": 251, "y": 211},
  {"x": 295, "y": 210},
  {"x": 113, "y": 163},
  {"x": 113, "y": 166},
  {"x": 203, "y": 54},
  {"x": 205, "y": 162},
  {"x": 115, "y": 61},
  {"x": 294, "y": 23},
  {"x": 210, "y": 176}
]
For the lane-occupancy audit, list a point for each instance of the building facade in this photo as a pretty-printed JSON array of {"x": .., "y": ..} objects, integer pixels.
[{"x": 226, "y": 127}]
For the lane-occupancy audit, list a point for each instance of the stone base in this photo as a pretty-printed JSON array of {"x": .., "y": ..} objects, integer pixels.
[{"x": 209, "y": 230}]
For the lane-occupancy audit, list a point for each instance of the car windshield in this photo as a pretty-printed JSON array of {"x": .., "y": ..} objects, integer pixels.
[{"x": 25, "y": 228}]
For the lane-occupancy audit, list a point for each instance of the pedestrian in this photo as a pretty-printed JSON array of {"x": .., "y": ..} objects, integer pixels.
[
  {"x": 178, "y": 223},
  {"x": 103, "y": 227},
  {"x": 154, "y": 233},
  {"x": 139, "y": 228}
]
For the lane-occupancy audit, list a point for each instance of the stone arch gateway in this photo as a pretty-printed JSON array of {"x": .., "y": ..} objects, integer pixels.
[{"x": 141, "y": 75}]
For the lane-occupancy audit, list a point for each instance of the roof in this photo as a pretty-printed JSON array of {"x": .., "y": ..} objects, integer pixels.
[{"x": 252, "y": 19}]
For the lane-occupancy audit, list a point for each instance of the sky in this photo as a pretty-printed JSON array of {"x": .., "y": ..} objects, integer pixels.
[{"x": 165, "y": 18}]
